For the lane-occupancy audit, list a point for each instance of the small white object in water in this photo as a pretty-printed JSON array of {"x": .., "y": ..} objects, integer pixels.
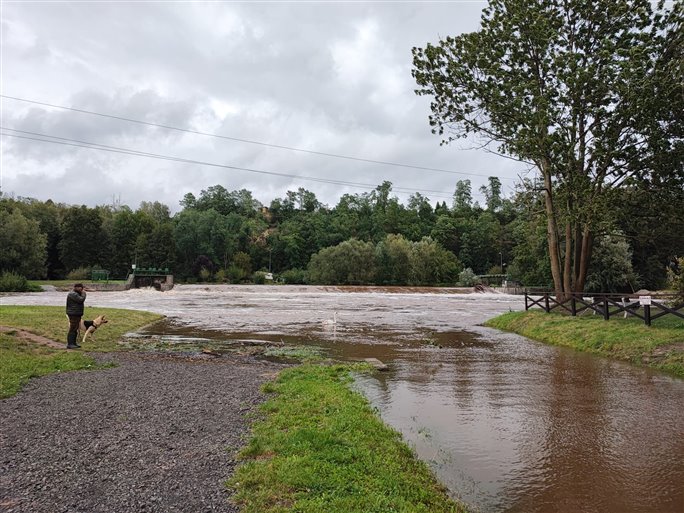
[{"x": 331, "y": 322}]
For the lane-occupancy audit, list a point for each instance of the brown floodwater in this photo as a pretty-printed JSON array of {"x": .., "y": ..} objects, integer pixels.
[{"x": 507, "y": 424}]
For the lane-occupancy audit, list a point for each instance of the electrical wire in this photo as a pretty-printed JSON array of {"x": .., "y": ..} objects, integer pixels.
[
  {"x": 113, "y": 149},
  {"x": 248, "y": 141}
]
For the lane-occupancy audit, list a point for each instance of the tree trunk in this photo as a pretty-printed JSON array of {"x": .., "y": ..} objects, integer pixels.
[
  {"x": 552, "y": 229},
  {"x": 567, "y": 267},
  {"x": 587, "y": 245}
]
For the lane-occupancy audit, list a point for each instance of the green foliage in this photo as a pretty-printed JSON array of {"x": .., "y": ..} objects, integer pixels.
[
  {"x": 349, "y": 263},
  {"x": 611, "y": 266},
  {"x": 205, "y": 274},
  {"x": 12, "y": 282},
  {"x": 537, "y": 78},
  {"x": 259, "y": 278},
  {"x": 393, "y": 260},
  {"x": 84, "y": 242},
  {"x": 319, "y": 447},
  {"x": 79, "y": 274},
  {"x": 660, "y": 346},
  {"x": 431, "y": 264},
  {"x": 235, "y": 274},
  {"x": 467, "y": 278},
  {"x": 294, "y": 277},
  {"x": 221, "y": 276},
  {"x": 23, "y": 245},
  {"x": 675, "y": 277}
]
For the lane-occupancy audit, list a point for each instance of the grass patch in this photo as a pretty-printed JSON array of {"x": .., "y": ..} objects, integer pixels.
[
  {"x": 51, "y": 322},
  {"x": 21, "y": 360},
  {"x": 320, "y": 448},
  {"x": 301, "y": 353},
  {"x": 660, "y": 346}
]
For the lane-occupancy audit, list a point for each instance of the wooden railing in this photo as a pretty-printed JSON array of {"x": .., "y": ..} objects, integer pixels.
[{"x": 648, "y": 308}]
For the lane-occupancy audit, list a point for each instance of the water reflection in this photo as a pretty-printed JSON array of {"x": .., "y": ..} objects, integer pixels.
[{"x": 507, "y": 424}]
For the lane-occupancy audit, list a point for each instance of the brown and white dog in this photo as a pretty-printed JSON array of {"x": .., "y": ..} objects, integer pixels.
[{"x": 89, "y": 327}]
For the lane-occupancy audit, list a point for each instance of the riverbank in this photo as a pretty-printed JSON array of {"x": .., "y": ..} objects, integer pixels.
[
  {"x": 320, "y": 447},
  {"x": 23, "y": 357},
  {"x": 660, "y": 346}
]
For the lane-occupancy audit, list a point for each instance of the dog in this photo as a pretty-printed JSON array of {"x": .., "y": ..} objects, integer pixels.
[{"x": 89, "y": 327}]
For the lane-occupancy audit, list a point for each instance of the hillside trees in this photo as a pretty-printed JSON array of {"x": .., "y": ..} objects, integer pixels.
[{"x": 23, "y": 245}]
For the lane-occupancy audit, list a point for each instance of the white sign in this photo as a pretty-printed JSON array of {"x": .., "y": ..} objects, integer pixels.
[{"x": 645, "y": 300}]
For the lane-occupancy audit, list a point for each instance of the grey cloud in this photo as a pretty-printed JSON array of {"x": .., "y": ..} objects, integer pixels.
[{"x": 273, "y": 66}]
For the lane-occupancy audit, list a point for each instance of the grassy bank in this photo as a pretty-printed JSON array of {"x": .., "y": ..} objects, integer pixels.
[
  {"x": 319, "y": 447},
  {"x": 21, "y": 360},
  {"x": 660, "y": 346},
  {"x": 51, "y": 322}
]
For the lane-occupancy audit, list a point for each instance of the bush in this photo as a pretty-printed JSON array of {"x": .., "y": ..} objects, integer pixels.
[
  {"x": 675, "y": 277},
  {"x": 259, "y": 278},
  {"x": 79, "y": 274},
  {"x": 12, "y": 282},
  {"x": 235, "y": 274},
  {"x": 205, "y": 274},
  {"x": 467, "y": 278},
  {"x": 220, "y": 276},
  {"x": 294, "y": 277}
]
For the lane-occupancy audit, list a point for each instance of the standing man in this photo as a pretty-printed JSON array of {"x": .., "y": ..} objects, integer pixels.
[{"x": 74, "y": 310}]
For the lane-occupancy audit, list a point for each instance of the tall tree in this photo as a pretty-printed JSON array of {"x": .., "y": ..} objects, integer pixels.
[{"x": 560, "y": 84}]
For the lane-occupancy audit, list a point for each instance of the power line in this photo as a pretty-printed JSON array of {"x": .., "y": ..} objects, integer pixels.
[
  {"x": 113, "y": 149},
  {"x": 247, "y": 141}
]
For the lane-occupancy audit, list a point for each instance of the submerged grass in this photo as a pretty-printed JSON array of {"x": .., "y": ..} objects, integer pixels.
[
  {"x": 21, "y": 360},
  {"x": 320, "y": 448},
  {"x": 660, "y": 346},
  {"x": 51, "y": 322}
]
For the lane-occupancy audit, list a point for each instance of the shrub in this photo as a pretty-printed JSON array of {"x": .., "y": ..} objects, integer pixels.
[
  {"x": 467, "y": 277},
  {"x": 12, "y": 282},
  {"x": 294, "y": 277},
  {"x": 675, "y": 277},
  {"x": 235, "y": 274},
  {"x": 259, "y": 278},
  {"x": 79, "y": 274},
  {"x": 220, "y": 276},
  {"x": 205, "y": 274}
]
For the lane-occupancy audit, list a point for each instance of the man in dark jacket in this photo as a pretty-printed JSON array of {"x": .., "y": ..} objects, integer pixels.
[{"x": 74, "y": 310}]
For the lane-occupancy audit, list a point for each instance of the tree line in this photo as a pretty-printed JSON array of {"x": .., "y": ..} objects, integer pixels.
[{"x": 366, "y": 238}]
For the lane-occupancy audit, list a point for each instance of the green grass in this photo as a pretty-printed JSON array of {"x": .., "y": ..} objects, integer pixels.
[
  {"x": 51, "y": 322},
  {"x": 20, "y": 361},
  {"x": 660, "y": 346},
  {"x": 320, "y": 448}
]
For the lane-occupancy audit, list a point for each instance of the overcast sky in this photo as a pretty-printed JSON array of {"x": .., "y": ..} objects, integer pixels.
[{"x": 325, "y": 77}]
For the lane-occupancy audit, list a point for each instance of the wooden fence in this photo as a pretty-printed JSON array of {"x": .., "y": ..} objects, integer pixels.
[{"x": 647, "y": 308}]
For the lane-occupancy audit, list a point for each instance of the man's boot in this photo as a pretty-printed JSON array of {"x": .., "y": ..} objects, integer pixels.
[{"x": 71, "y": 340}]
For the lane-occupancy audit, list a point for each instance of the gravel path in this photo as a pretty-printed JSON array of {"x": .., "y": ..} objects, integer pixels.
[{"x": 155, "y": 433}]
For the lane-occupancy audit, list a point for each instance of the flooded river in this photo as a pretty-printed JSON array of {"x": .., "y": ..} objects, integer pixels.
[{"x": 508, "y": 425}]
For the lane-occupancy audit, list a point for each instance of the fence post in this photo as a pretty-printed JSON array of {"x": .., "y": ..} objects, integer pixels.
[
  {"x": 606, "y": 313},
  {"x": 526, "y": 306},
  {"x": 647, "y": 314},
  {"x": 573, "y": 306},
  {"x": 546, "y": 303}
]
